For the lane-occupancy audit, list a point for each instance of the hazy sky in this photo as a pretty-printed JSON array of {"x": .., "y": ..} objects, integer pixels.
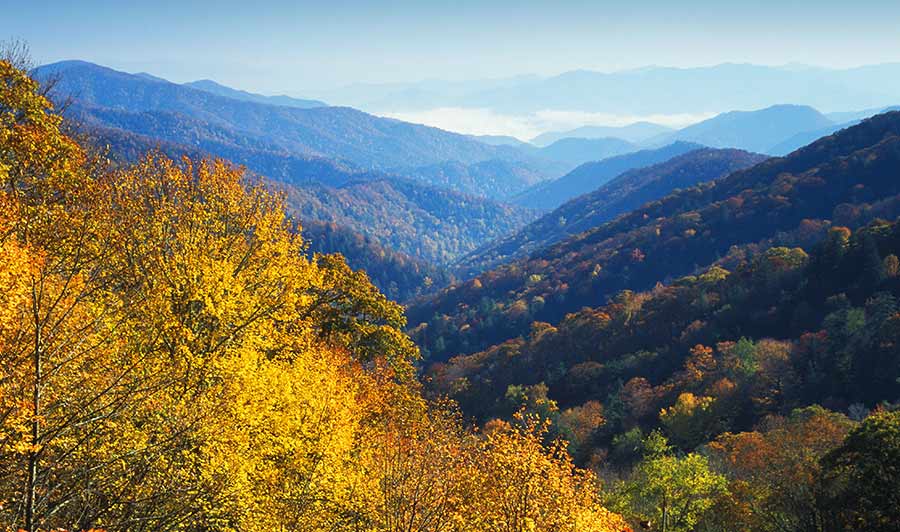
[{"x": 284, "y": 46}]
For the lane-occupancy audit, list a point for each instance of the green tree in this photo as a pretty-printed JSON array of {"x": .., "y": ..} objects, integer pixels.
[
  {"x": 861, "y": 478},
  {"x": 670, "y": 492}
]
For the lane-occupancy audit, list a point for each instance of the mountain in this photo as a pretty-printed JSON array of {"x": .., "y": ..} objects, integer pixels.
[
  {"x": 498, "y": 140},
  {"x": 847, "y": 179},
  {"x": 757, "y": 131},
  {"x": 649, "y": 91},
  {"x": 414, "y": 95},
  {"x": 802, "y": 139},
  {"x": 150, "y": 77},
  {"x": 197, "y": 135},
  {"x": 844, "y": 117},
  {"x": 411, "y": 218},
  {"x": 587, "y": 177},
  {"x": 210, "y": 86},
  {"x": 480, "y": 179},
  {"x": 624, "y": 193},
  {"x": 636, "y": 133},
  {"x": 578, "y": 151},
  {"x": 343, "y": 134}
]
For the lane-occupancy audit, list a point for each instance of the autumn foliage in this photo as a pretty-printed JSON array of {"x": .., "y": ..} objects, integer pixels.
[{"x": 172, "y": 360}]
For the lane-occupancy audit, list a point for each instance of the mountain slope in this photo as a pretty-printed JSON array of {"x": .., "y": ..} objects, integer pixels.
[
  {"x": 208, "y": 85},
  {"x": 589, "y": 176},
  {"x": 756, "y": 131},
  {"x": 481, "y": 178},
  {"x": 847, "y": 178},
  {"x": 626, "y": 192},
  {"x": 731, "y": 348},
  {"x": 429, "y": 223},
  {"x": 339, "y": 133},
  {"x": 498, "y": 140},
  {"x": 397, "y": 275}
]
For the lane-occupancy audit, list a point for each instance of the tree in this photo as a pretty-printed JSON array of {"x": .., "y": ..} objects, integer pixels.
[
  {"x": 69, "y": 377},
  {"x": 670, "y": 492},
  {"x": 691, "y": 420},
  {"x": 418, "y": 470},
  {"x": 773, "y": 471},
  {"x": 860, "y": 478},
  {"x": 523, "y": 486},
  {"x": 578, "y": 424}
]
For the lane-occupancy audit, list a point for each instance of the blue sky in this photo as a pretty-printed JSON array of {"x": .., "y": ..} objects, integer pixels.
[{"x": 283, "y": 46}]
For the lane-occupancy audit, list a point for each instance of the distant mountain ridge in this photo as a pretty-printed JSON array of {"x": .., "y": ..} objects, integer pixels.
[
  {"x": 339, "y": 133},
  {"x": 648, "y": 91},
  {"x": 576, "y": 151},
  {"x": 410, "y": 217},
  {"x": 212, "y": 87},
  {"x": 589, "y": 176},
  {"x": 636, "y": 133},
  {"x": 282, "y": 141},
  {"x": 758, "y": 131},
  {"x": 805, "y": 137},
  {"x": 624, "y": 193}
]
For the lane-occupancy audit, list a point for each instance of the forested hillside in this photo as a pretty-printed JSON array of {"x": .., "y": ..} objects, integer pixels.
[
  {"x": 281, "y": 140},
  {"x": 339, "y": 133},
  {"x": 433, "y": 224},
  {"x": 399, "y": 276},
  {"x": 847, "y": 179},
  {"x": 728, "y": 390},
  {"x": 624, "y": 193},
  {"x": 172, "y": 360}
]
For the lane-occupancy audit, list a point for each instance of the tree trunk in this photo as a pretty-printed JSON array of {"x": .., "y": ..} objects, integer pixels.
[
  {"x": 665, "y": 515},
  {"x": 35, "y": 423}
]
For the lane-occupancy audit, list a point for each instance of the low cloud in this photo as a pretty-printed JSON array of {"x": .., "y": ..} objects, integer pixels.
[{"x": 480, "y": 121}]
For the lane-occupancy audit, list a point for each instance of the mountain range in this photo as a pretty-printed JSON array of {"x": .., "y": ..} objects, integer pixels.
[
  {"x": 339, "y": 133},
  {"x": 424, "y": 193},
  {"x": 644, "y": 91},
  {"x": 848, "y": 178},
  {"x": 627, "y": 191}
]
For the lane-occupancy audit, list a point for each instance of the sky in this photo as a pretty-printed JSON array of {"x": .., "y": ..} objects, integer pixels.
[{"x": 299, "y": 47}]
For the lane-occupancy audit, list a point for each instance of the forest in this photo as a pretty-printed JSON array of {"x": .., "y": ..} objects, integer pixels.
[{"x": 736, "y": 393}]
